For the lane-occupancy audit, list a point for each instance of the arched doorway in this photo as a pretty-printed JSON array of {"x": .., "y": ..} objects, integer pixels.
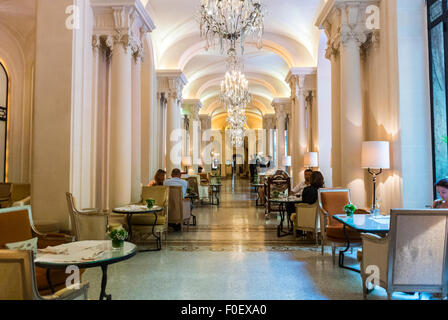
[{"x": 4, "y": 86}]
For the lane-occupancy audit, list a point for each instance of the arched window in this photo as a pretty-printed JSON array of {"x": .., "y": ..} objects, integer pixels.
[{"x": 4, "y": 85}]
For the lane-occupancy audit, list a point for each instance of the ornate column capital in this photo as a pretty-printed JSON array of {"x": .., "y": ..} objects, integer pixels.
[
  {"x": 172, "y": 82},
  {"x": 298, "y": 81}
]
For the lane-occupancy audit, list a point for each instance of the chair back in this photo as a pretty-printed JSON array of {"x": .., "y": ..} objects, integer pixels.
[
  {"x": 333, "y": 202},
  {"x": 280, "y": 182},
  {"x": 20, "y": 191},
  {"x": 86, "y": 225},
  {"x": 193, "y": 184},
  {"x": 308, "y": 217},
  {"x": 160, "y": 194},
  {"x": 18, "y": 280},
  {"x": 5, "y": 190},
  {"x": 177, "y": 205},
  {"x": 418, "y": 259},
  {"x": 15, "y": 225}
]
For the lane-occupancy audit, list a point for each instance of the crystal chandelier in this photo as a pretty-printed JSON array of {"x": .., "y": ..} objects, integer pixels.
[{"x": 229, "y": 21}]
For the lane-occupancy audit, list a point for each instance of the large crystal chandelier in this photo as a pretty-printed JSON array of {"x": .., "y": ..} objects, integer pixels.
[
  {"x": 226, "y": 22},
  {"x": 235, "y": 97}
]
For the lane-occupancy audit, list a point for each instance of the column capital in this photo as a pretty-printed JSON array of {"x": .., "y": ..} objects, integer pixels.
[
  {"x": 192, "y": 107},
  {"x": 282, "y": 106},
  {"x": 172, "y": 82},
  {"x": 123, "y": 22},
  {"x": 299, "y": 79},
  {"x": 345, "y": 23}
]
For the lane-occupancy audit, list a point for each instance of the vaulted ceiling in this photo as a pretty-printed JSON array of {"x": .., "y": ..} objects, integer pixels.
[{"x": 290, "y": 40}]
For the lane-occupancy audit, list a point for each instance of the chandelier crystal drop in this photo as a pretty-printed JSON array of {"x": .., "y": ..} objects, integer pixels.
[{"x": 227, "y": 22}]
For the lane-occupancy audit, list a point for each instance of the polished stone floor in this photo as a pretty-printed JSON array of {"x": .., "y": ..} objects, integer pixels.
[{"x": 233, "y": 253}]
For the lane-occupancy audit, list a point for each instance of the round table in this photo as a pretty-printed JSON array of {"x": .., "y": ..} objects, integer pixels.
[
  {"x": 282, "y": 208},
  {"x": 216, "y": 189},
  {"x": 73, "y": 257},
  {"x": 131, "y": 210},
  {"x": 257, "y": 186}
]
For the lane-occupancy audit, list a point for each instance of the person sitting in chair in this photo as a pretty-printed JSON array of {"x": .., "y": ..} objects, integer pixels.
[
  {"x": 298, "y": 189},
  {"x": 442, "y": 190},
  {"x": 310, "y": 193},
  {"x": 159, "y": 178},
  {"x": 177, "y": 181}
]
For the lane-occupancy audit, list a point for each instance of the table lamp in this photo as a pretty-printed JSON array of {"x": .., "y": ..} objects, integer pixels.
[
  {"x": 310, "y": 160},
  {"x": 375, "y": 158},
  {"x": 286, "y": 162}
]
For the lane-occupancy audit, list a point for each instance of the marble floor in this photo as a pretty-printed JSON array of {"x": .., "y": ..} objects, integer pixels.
[{"x": 233, "y": 253}]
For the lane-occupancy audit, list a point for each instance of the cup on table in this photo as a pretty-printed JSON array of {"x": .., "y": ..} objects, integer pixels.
[{"x": 150, "y": 203}]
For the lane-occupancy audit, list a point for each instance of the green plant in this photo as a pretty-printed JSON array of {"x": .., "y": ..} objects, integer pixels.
[
  {"x": 118, "y": 234},
  {"x": 150, "y": 203},
  {"x": 350, "y": 209},
  {"x": 276, "y": 194},
  {"x": 189, "y": 190}
]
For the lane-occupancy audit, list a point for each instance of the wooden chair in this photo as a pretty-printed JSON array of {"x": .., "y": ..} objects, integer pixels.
[
  {"x": 18, "y": 280},
  {"x": 413, "y": 257},
  {"x": 280, "y": 182}
]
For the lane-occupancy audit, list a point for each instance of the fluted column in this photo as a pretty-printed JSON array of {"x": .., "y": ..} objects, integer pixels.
[
  {"x": 281, "y": 108},
  {"x": 171, "y": 84},
  {"x": 120, "y": 122},
  {"x": 344, "y": 23},
  {"x": 136, "y": 176},
  {"x": 191, "y": 108},
  {"x": 300, "y": 80}
]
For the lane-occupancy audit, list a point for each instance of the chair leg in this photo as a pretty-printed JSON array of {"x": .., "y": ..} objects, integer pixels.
[
  {"x": 333, "y": 253},
  {"x": 364, "y": 288},
  {"x": 389, "y": 295}
]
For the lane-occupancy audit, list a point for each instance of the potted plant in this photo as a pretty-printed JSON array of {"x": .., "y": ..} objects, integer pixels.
[
  {"x": 118, "y": 236},
  {"x": 350, "y": 209},
  {"x": 150, "y": 203},
  {"x": 276, "y": 194},
  {"x": 189, "y": 191}
]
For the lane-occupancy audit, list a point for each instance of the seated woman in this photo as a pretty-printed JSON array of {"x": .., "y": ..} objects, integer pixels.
[
  {"x": 442, "y": 190},
  {"x": 310, "y": 193},
  {"x": 159, "y": 178}
]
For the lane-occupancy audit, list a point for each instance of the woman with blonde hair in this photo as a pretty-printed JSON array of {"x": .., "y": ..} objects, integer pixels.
[{"x": 159, "y": 178}]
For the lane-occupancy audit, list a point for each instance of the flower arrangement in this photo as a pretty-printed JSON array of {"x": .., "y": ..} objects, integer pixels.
[
  {"x": 350, "y": 209},
  {"x": 118, "y": 236}
]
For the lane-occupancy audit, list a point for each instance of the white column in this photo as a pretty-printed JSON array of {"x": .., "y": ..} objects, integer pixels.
[
  {"x": 302, "y": 135},
  {"x": 351, "y": 111},
  {"x": 136, "y": 128},
  {"x": 336, "y": 119},
  {"x": 121, "y": 123},
  {"x": 281, "y": 117},
  {"x": 172, "y": 125}
]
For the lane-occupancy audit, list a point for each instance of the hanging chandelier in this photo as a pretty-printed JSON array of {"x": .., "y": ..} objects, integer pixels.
[
  {"x": 227, "y": 22},
  {"x": 234, "y": 87}
]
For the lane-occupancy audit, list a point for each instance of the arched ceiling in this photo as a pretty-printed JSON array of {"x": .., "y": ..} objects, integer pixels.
[{"x": 290, "y": 40}]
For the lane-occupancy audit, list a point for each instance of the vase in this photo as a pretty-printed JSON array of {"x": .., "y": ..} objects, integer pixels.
[
  {"x": 349, "y": 213},
  {"x": 117, "y": 244}
]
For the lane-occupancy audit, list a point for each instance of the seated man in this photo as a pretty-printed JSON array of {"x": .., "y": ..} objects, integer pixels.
[
  {"x": 177, "y": 181},
  {"x": 298, "y": 189}
]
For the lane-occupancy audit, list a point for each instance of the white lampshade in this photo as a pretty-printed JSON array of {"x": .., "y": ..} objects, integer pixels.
[
  {"x": 200, "y": 162},
  {"x": 286, "y": 161},
  {"x": 375, "y": 155},
  {"x": 310, "y": 160},
  {"x": 191, "y": 172},
  {"x": 187, "y": 161}
]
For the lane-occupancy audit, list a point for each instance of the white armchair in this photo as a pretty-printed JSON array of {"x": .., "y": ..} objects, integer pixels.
[
  {"x": 413, "y": 256},
  {"x": 306, "y": 218}
]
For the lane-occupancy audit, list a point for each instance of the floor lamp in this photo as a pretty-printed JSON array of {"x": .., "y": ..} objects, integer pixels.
[{"x": 375, "y": 158}]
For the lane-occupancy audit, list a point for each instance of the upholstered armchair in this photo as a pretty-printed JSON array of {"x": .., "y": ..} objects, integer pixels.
[
  {"x": 88, "y": 224},
  {"x": 179, "y": 208},
  {"x": 143, "y": 223},
  {"x": 331, "y": 202},
  {"x": 18, "y": 280},
  {"x": 15, "y": 194},
  {"x": 280, "y": 182},
  {"x": 413, "y": 256},
  {"x": 306, "y": 218},
  {"x": 16, "y": 224}
]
